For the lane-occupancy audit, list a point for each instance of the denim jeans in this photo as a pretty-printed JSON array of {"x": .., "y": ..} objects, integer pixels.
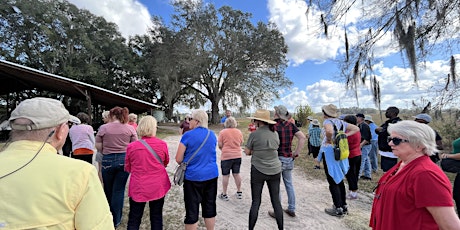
[
  {"x": 287, "y": 164},
  {"x": 373, "y": 157},
  {"x": 114, "y": 178},
  {"x": 365, "y": 161},
  {"x": 136, "y": 210},
  {"x": 258, "y": 180}
]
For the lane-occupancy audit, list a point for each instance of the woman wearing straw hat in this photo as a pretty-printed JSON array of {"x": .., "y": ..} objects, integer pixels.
[
  {"x": 335, "y": 170},
  {"x": 263, "y": 145}
]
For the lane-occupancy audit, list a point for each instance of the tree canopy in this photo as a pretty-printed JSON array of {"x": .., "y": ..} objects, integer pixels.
[
  {"x": 227, "y": 59},
  {"x": 205, "y": 55}
]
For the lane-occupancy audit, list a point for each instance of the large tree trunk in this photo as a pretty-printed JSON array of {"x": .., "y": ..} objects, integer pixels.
[
  {"x": 215, "y": 119},
  {"x": 169, "y": 112}
]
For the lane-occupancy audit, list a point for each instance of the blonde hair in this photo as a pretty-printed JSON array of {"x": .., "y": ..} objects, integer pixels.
[
  {"x": 230, "y": 123},
  {"x": 201, "y": 116},
  {"x": 105, "y": 114},
  {"x": 147, "y": 127}
]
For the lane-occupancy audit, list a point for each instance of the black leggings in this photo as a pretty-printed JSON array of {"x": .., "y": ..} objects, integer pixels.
[
  {"x": 457, "y": 192},
  {"x": 353, "y": 172},
  {"x": 337, "y": 190},
  {"x": 258, "y": 180}
]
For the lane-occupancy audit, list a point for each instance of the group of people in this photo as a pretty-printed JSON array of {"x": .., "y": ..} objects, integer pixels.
[
  {"x": 270, "y": 146},
  {"x": 72, "y": 195},
  {"x": 272, "y": 159},
  {"x": 414, "y": 189}
]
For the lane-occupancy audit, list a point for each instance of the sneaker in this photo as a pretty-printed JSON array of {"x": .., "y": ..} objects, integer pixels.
[
  {"x": 334, "y": 211},
  {"x": 345, "y": 209},
  {"x": 365, "y": 178},
  {"x": 239, "y": 195},
  {"x": 352, "y": 197},
  {"x": 223, "y": 197},
  {"x": 289, "y": 212}
]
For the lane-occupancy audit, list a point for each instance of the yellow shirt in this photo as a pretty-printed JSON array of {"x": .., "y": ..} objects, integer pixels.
[{"x": 51, "y": 192}]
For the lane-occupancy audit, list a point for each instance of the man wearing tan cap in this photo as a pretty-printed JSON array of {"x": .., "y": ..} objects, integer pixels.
[{"x": 41, "y": 189}]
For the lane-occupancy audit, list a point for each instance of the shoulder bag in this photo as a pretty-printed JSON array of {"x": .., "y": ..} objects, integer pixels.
[{"x": 180, "y": 169}]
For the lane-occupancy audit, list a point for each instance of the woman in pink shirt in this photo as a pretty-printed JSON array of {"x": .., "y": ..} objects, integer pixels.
[
  {"x": 149, "y": 181},
  {"x": 132, "y": 119},
  {"x": 112, "y": 140},
  {"x": 229, "y": 141}
]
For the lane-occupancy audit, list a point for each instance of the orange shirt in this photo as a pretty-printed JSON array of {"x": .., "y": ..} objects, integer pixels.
[{"x": 230, "y": 139}]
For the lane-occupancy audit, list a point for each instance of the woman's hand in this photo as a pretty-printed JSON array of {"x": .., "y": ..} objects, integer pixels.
[{"x": 247, "y": 151}]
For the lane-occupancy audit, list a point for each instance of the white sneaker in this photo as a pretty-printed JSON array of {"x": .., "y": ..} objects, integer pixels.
[
  {"x": 352, "y": 197},
  {"x": 223, "y": 197},
  {"x": 239, "y": 195}
]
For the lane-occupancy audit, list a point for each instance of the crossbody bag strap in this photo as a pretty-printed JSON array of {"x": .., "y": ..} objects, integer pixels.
[
  {"x": 151, "y": 150},
  {"x": 205, "y": 139}
]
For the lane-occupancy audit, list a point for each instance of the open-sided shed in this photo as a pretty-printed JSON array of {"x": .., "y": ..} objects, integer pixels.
[{"x": 15, "y": 77}]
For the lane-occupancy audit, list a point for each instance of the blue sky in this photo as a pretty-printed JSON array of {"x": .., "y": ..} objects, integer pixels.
[{"x": 311, "y": 57}]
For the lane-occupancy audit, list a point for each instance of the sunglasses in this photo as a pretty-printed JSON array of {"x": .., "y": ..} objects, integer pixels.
[{"x": 396, "y": 141}]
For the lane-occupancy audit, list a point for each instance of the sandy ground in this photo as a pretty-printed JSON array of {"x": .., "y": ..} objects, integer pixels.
[{"x": 312, "y": 196}]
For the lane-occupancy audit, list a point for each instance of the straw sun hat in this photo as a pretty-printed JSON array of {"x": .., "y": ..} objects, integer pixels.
[
  {"x": 330, "y": 110},
  {"x": 262, "y": 115}
]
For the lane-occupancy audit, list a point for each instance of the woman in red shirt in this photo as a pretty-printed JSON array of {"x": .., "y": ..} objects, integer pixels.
[
  {"x": 415, "y": 193},
  {"x": 354, "y": 159}
]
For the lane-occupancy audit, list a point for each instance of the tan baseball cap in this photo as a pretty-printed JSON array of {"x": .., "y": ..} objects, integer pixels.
[{"x": 43, "y": 112}]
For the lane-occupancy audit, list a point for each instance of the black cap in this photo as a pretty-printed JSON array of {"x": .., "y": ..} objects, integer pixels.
[{"x": 360, "y": 115}]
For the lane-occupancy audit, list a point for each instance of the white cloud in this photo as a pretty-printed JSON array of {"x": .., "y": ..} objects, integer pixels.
[
  {"x": 301, "y": 31},
  {"x": 396, "y": 83},
  {"x": 130, "y": 15}
]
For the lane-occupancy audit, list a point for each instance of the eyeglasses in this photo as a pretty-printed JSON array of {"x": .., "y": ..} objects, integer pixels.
[{"x": 396, "y": 141}]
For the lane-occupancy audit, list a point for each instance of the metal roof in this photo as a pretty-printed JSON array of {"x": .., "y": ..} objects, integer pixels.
[{"x": 15, "y": 77}]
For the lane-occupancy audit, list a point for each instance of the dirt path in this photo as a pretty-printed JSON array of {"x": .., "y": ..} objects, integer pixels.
[{"x": 312, "y": 196}]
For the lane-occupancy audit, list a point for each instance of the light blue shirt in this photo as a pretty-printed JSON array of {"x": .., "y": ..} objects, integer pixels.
[{"x": 373, "y": 126}]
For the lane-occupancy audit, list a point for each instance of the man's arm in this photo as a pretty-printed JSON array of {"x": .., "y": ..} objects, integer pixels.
[{"x": 300, "y": 143}]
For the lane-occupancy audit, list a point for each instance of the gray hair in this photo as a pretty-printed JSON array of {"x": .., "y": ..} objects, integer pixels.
[
  {"x": 230, "y": 123},
  {"x": 31, "y": 135},
  {"x": 201, "y": 116},
  {"x": 418, "y": 134}
]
